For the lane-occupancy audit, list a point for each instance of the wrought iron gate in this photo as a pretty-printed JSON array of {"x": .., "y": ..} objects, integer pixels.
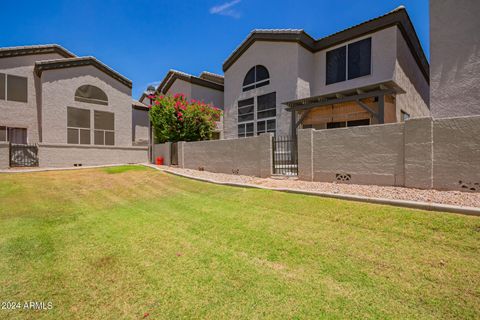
[
  {"x": 23, "y": 155},
  {"x": 174, "y": 154},
  {"x": 285, "y": 160}
]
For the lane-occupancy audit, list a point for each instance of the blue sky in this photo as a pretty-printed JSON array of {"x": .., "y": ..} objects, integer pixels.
[{"x": 144, "y": 39}]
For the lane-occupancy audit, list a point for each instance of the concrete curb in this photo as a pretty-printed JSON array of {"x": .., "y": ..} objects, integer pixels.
[
  {"x": 68, "y": 168},
  {"x": 397, "y": 203}
]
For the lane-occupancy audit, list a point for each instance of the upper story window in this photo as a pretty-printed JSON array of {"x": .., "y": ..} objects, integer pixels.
[
  {"x": 13, "y": 88},
  {"x": 256, "y": 77},
  {"x": 349, "y": 62},
  {"x": 91, "y": 94}
]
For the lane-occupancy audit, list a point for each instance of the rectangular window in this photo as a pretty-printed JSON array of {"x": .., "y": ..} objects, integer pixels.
[
  {"x": 266, "y": 126},
  {"x": 336, "y": 67},
  {"x": 245, "y": 130},
  {"x": 266, "y": 106},
  {"x": 2, "y": 86},
  {"x": 104, "y": 125},
  {"x": 3, "y": 133},
  {"x": 16, "y": 88},
  {"x": 349, "y": 62},
  {"x": 78, "y": 126},
  {"x": 245, "y": 110},
  {"x": 359, "y": 58}
]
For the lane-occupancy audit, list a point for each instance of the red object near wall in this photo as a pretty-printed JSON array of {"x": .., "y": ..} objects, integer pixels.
[{"x": 159, "y": 161}]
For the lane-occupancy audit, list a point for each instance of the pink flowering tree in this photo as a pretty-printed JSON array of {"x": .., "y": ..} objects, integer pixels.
[{"x": 176, "y": 119}]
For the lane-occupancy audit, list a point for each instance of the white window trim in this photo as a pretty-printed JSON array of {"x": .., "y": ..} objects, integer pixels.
[
  {"x": 266, "y": 127},
  {"x": 104, "y": 133}
]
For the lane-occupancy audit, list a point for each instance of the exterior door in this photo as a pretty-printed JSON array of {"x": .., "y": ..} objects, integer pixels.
[{"x": 17, "y": 135}]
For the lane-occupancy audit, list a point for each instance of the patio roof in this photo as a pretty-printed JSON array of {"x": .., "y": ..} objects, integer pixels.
[{"x": 344, "y": 96}]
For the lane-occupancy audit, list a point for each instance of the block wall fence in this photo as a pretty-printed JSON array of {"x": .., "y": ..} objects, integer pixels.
[{"x": 419, "y": 153}]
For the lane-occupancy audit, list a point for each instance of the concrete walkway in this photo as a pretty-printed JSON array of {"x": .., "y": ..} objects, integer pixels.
[{"x": 393, "y": 202}]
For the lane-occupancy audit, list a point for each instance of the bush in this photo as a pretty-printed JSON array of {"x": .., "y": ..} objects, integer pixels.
[{"x": 175, "y": 119}]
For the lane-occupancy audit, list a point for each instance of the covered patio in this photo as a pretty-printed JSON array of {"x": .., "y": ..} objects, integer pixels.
[{"x": 360, "y": 106}]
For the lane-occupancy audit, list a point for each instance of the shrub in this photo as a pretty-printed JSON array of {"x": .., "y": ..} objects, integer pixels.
[{"x": 176, "y": 119}]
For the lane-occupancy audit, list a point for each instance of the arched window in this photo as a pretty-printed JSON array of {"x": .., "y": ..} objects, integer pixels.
[
  {"x": 91, "y": 94},
  {"x": 256, "y": 77}
]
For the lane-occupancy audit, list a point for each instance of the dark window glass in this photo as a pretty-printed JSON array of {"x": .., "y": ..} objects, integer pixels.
[
  {"x": 356, "y": 123},
  {"x": 249, "y": 129},
  {"x": 79, "y": 118},
  {"x": 72, "y": 136},
  {"x": 245, "y": 110},
  {"x": 333, "y": 125},
  {"x": 336, "y": 65},
  {"x": 2, "y": 86},
  {"x": 261, "y": 127},
  {"x": 271, "y": 125},
  {"x": 241, "y": 130},
  {"x": 104, "y": 120},
  {"x": 261, "y": 73},
  {"x": 266, "y": 101},
  {"x": 256, "y": 77},
  {"x": 250, "y": 77},
  {"x": 109, "y": 138},
  {"x": 99, "y": 137},
  {"x": 16, "y": 88},
  {"x": 359, "y": 58},
  {"x": 91, "y": 94},
  {"x": 266, "y": 106},
  {"x": 3, "y": 133},
  {"x": 84, "y": 136}
]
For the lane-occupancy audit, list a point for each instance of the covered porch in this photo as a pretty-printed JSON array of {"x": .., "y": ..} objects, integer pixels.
[{"x": 355, "y": 107}]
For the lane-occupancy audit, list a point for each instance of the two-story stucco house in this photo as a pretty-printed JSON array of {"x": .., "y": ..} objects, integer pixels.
[
  {"x": 207, "y": 87},
  {"x": 280, "y": 80},
  {"x": 77, "y": 110}
]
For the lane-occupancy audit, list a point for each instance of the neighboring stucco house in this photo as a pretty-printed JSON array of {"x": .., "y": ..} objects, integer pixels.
[
  {"x": 207, "y": 87},
  {"x": 76, "y": 109},
  {"x": 279, "y": 80},
  {"x": 455, "y": 58}
]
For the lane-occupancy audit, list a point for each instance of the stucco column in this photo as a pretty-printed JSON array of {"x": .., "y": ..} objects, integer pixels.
[
  {"x": 305, "y": 154},
  {"x": 266, "y": 154}
]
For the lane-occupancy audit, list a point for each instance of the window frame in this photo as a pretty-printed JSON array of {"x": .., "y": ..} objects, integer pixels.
[
  {"x": 5, "y": 94},
  {"x": 91, "y": 100},
  {"x": 80, "y": 129},
  {"x": 104, "y": 132},
  {"x": 256, "y": 83},
  {"x": 346, "y": 76}
]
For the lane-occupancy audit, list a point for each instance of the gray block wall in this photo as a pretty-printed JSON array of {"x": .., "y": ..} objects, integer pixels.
[
  {"x": 162, "y": 150},
  {"x": 62, "y": 155},
  {"x": 420, "y": 153},
  {"x": 4, "y": 155},
  {"x": 248, "y": 156}
]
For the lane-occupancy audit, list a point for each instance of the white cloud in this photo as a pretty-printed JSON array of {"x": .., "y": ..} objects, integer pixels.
[{"x": 226, "y": 9}]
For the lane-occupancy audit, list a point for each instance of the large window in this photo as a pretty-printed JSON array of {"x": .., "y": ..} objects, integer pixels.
[
  {"x": 91, "y": 94},
  {"x": 256, "y": 77},
  {"x": 78, "y": 126},
  {"x": 3, "y": 133},
  {"x": 104, "y": 123},
  {"x": 245, "y": 117},
  {"x": 266, "y": 113},
  {"x": 256, "y": 118},
  {"x": 349, "y": 62},
  {"x": 13, "y": 88}
]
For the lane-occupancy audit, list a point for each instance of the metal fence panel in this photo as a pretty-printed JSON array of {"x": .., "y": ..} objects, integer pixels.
[
  {"x": 23, "y": 155},
  {"x": 285, "y": 160}
]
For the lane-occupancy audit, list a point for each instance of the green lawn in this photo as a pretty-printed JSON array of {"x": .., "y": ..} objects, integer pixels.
[{"x": 119, "y": 243}]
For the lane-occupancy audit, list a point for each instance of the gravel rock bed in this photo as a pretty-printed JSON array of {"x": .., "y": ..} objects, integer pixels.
[{"x": 458, "y": 198}]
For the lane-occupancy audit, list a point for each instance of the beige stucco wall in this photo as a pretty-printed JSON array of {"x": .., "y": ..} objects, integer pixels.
[
  {"x": 59, "y": 86},
  {"x": 416, "y": 99},
  {"x": 181, "y": 86},
  {"x": 207, "y": 95},
  {"x": 4, "y": 155},
  {"x": 246, "y": 156},
  {"x": 455, "y": 58},
  {"x": 63, "y": 155},
  {"x": 20, "y": 114},
  {"x": 281, "y": 60}
]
